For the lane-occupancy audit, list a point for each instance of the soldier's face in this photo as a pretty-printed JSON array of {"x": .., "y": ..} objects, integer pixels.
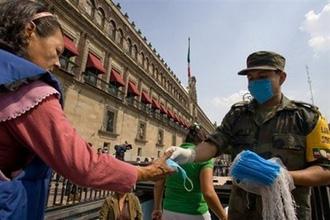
[
  {"x": 260, "y": 74},
  {"x": 276, "y": 77}
]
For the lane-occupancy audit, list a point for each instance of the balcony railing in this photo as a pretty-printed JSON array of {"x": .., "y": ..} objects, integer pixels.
[
  {"x": 132, "y": 101},
  {"x": 67, "y": 65},
  {"x": 145, "y": 108},
  {"x": 113, "y": 90},
  {"x": 157, "y": 114},
  {"x": 93, "y": 80},
  {"x": 90, "y": 78}
]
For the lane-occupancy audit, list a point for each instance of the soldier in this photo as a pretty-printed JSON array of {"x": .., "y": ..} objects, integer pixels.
[{"x": 272, "y": 126}]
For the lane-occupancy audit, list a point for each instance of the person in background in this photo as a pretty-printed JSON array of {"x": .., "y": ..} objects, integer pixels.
[
  {"x": 121, "y": 206},
  {"x": 35, "y": 134},
  {"x": 121, "y": 149},
  {"x": 179, "y": 204},
  {"x": 271, "y": 125}
]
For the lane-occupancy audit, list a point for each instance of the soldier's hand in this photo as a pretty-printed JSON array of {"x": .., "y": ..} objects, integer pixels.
[{"x": 181, "y": 155}]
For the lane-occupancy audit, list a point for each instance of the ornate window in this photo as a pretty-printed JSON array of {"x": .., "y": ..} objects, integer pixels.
[
  {"x": 94, "y": 67},
  {"x": 99, "y": 17},
  {"x": 155, "y": 74},
  {"x": 110, "y": 121},
  {"x": 160, "y": 138},
  {"x": 141, "y": 133},
  {"x": 119, "y": 38},
  {"x": 90, "y": 7},
  {"x": 146, "y": 63},
  {"x": 67, "y": 57},
  {"x": 134, "y": 52},
  {"x": 112, "y": 29},
  {"x": 152, "y": 69},
  {"x": 129, "y": 46},
  {"x": 141, "y": 59}
]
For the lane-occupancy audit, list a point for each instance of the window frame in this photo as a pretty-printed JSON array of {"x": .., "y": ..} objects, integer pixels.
[
  {"x": 160, "y": 138},
  {"x": 138, "y": 135}
]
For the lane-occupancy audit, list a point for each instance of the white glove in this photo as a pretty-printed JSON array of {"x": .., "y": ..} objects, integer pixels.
[{"x": 181, "y": 155}]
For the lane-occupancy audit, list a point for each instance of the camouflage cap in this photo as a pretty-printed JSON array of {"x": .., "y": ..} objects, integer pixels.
[{"x": 263, "y": 60}]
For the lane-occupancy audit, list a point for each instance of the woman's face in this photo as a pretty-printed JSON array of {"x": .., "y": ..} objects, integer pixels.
[{"x": 45, "y": 51}]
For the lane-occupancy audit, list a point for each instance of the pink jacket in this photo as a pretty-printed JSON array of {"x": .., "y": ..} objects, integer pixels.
[{"x": 32, "y": 122}]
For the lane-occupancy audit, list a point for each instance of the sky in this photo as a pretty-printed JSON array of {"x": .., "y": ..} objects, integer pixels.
[{"x": 224, "y": 32}]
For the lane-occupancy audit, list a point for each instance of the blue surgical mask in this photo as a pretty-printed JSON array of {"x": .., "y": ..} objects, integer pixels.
[
  {"x": 178, "y": 168},
  {"x": 261, "y": 90}
]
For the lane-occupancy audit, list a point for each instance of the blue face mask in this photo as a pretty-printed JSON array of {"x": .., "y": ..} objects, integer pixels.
[
  {"x": 178, "y": 168},
  {"x": 261, "y": 90}
]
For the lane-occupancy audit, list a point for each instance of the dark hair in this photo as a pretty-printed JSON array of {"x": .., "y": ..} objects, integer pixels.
[
  {"x": 195, "y": 134},
  {"x": 14, "y": 15}
]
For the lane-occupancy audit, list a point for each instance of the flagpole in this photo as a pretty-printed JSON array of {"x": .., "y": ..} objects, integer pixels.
[{"x": 188, "y": 59}]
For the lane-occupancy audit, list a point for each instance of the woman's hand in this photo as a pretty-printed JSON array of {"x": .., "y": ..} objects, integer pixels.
[{"x": 157, "y": 170}]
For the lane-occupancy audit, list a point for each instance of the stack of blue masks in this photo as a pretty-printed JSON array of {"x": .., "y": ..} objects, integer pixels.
[
  {"x": 249, "y": 167},
  {"x": 171, "y": 163}
]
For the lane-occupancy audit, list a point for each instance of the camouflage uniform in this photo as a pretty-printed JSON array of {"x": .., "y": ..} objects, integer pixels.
[{"x": 280, "y": 132}]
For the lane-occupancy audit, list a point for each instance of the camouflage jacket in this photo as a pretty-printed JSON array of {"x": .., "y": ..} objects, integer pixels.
[{"x": 280, "y": 132}]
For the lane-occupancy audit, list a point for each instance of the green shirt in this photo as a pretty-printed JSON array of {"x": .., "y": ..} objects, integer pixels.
[{"x": 177, "y": 199}]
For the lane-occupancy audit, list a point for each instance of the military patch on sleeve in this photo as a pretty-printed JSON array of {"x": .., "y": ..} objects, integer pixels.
[{"x": 318, "y": 141}]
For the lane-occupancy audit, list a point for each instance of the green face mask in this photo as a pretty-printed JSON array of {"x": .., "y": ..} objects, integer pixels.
[{"x": 178, "y": 168}]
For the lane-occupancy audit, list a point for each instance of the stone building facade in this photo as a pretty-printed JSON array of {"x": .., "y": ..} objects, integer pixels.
[{"x": 117, "y": 87}]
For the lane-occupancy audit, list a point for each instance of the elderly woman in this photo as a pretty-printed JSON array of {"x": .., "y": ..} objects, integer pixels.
[{"x": 34, "y": 132}]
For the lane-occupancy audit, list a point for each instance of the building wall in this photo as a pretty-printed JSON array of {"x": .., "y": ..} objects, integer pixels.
[{"x": 114, "y": 39}]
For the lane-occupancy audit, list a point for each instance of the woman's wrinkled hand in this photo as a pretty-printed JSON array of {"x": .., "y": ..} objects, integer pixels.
[{"x": 157, "y": 170}]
